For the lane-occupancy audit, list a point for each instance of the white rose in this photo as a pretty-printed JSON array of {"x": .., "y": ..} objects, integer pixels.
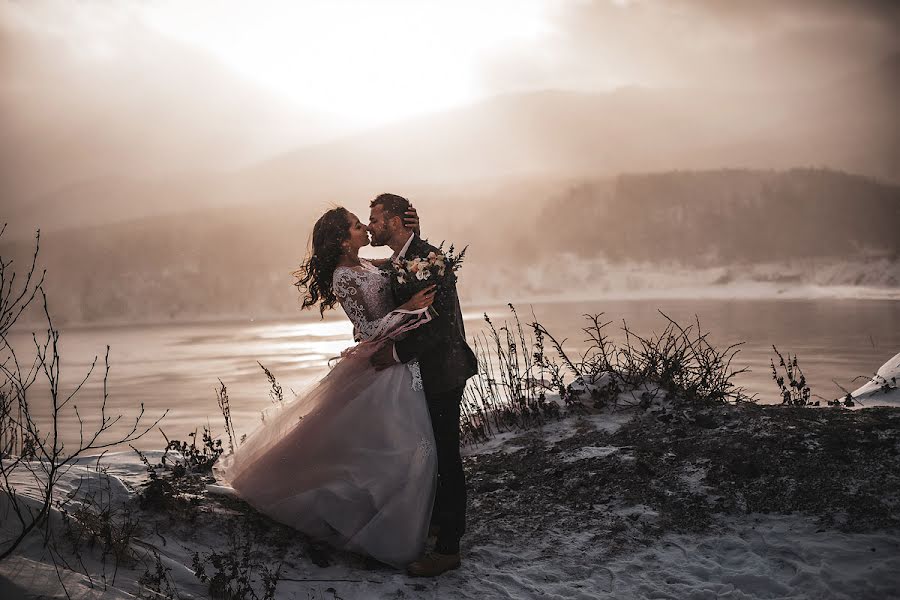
[{"x": 423, "y": 274}]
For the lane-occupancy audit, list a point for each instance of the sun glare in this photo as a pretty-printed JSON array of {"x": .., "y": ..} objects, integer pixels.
[{"x": 366, "y": 62}]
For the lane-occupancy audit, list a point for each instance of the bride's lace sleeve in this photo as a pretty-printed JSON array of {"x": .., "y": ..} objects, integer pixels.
[{"x": 363, "y": 298}]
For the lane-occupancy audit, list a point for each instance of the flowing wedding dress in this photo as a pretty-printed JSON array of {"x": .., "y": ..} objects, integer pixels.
[{"x": 351, "y": 461}]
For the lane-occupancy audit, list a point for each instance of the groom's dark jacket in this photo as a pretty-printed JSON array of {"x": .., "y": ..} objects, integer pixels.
[{"x": 445, "y": 359}]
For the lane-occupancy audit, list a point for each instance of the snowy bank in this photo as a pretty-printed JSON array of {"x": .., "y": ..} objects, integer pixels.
[{"x": 744, "y": 502}]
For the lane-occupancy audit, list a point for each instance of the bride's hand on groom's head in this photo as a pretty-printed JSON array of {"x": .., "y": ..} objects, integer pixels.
[{"x": 411, "y": 220}]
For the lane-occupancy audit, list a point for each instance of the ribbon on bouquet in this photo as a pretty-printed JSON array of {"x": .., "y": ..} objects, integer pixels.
[{"x": 389, "y": 331}]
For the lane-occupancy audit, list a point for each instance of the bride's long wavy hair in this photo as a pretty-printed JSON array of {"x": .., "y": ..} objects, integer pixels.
[{"x": 315, "y": 273}]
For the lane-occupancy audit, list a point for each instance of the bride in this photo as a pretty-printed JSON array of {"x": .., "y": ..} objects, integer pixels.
[{"x": 352, "y": 460}]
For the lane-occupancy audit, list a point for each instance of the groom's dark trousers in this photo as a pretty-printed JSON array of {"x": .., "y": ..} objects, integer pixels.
[
  {"x": 449, "y": 512},
  {"x": 446, "y": 362}
]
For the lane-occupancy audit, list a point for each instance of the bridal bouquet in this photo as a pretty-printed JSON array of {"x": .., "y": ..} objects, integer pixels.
[{"x": 418, "y": 273}]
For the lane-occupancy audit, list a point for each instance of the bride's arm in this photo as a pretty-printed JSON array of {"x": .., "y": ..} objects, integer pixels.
[{"x": 348, "y": 287}]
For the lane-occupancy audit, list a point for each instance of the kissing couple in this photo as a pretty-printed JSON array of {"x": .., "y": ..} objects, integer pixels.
[{"x": 368, "y": 458}]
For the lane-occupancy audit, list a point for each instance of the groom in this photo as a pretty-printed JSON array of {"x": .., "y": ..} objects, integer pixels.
[{"x": 446, "y": 362}]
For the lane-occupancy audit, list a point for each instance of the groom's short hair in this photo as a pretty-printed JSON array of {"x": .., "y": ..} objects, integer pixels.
[{"x": 392, "y": 205}]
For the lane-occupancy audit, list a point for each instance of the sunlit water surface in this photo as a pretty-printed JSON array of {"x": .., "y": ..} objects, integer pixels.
[{"x": 177, "y": 367}]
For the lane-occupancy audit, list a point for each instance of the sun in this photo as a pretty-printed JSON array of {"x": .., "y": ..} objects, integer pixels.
[{"x": 366, "y": 62}]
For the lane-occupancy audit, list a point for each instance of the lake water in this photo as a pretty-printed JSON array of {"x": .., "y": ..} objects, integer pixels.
[{"x": 178, "y": 366}]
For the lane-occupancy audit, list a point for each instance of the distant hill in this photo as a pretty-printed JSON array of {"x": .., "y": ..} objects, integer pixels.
[
  {"x": 851, "y": 124},
  {"x": 525, "y": 237},
  {"x": 567, "y": 134},
  {"x": 728, "y": 217}
]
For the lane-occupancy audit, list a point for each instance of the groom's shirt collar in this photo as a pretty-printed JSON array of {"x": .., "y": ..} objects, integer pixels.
[{"x": 402, "y": 253}]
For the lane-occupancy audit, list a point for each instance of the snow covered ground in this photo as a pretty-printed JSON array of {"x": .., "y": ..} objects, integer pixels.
[
  {"x": 577, "y": 278},
  {"x": 609, "y": 534}
]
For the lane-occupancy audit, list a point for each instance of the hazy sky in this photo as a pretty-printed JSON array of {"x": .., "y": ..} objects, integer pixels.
[
  {"x": 365, "y": 62},
  {"x": 151, "y": 88},
  {"x": 369, "y": 62},
  {"x": 704, "y": 43}
]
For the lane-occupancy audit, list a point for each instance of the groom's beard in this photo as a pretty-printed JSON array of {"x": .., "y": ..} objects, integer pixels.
[{"x": 378, "y": 239}]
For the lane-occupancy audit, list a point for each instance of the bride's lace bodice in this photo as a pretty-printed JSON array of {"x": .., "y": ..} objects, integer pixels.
[{"x": 365, "y": 295}]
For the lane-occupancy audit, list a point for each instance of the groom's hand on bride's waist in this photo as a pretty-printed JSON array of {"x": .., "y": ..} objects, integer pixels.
[{"x": 384, "y": 357}]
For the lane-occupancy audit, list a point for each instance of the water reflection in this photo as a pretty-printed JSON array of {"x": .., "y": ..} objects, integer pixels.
[
  {"x": 178, "y": 367},
  {"x": 330, "y": 329}
]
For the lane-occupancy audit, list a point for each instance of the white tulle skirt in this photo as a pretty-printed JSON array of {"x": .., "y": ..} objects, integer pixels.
[{"x": 351, "y": 462}]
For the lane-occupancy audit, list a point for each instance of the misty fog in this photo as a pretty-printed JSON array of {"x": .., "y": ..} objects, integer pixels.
[{"x": 625, "y": 146}]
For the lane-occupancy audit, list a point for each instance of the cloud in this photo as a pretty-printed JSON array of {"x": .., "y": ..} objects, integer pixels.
[
  {"x": 886, "y": 12},
  {"x": 90, "y": 90},
  {"x": 603, "y": 44}
]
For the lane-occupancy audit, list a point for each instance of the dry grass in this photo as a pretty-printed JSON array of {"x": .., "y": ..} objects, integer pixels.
[{"x": 517, "y": 375}]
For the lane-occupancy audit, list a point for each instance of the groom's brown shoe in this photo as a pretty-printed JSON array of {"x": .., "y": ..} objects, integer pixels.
[{"x": 433, "y": 564}]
